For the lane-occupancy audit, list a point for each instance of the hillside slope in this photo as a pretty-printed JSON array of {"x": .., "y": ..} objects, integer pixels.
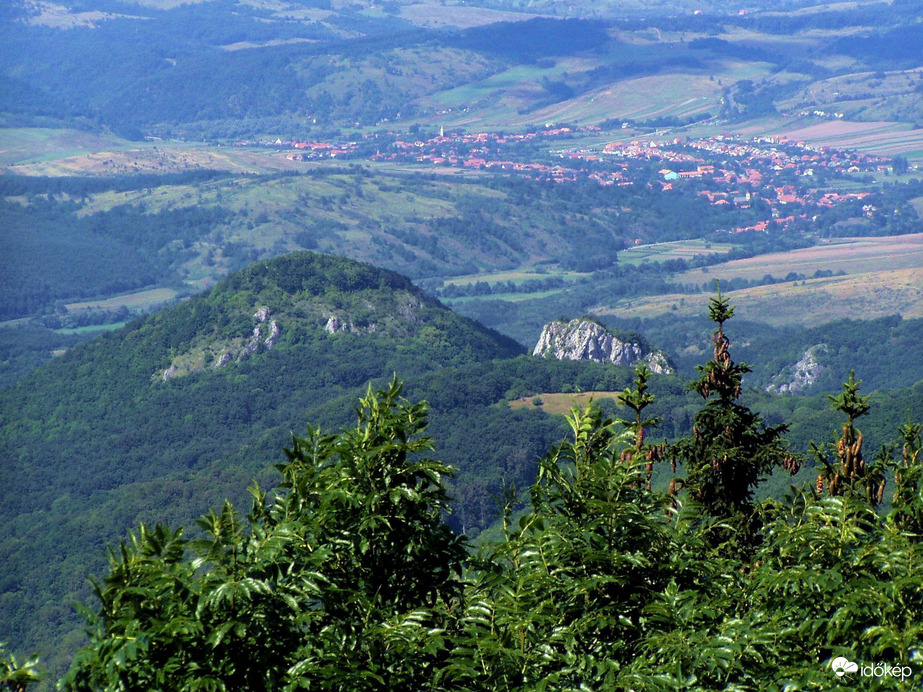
[
  {"x": 178, "y": 411},
  {"x": 134, "y": 426}
]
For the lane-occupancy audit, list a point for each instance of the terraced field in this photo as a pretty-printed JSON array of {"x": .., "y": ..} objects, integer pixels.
[
  {"x": 680, "y": 249},
  {"x": 885, "y": 138}
]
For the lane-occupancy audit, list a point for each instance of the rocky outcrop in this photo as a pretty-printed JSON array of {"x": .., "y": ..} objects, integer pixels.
[
  {"x": 335, "y": 325},
  {"x": 802, "y": 375},
  {"x": 583, "y": 339},
  {"x": 257, "y": 338},
  {"x": 264, "y": 336},
  {"x": 222, "y": 360},
  {"x": 273, "y": 336}
]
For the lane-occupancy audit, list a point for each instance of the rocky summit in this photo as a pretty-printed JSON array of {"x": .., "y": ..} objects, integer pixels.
[{"x": 583, "y": 339}]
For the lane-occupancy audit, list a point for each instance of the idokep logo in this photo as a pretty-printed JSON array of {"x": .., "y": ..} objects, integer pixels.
[{"x": 843, "y": 666}]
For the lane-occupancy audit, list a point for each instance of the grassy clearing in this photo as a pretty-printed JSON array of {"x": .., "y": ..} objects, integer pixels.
[
  {"x": 851, "y": 255},
  {"x": 23, "y": 145},
  {"x": 516, "y": 276},
  {"x": 133, "y": 301},
  {"x": 680, "y": 249},
  {"x": 135, "y": 159},
  {"x": 507, "y": 297},
  {"x": 92, "y": 329},
  {"x": 166, "y": 4},
  {"x": 155, "y": 199},
  {"x": 523, "y": 79},
  {"x": 808, "y": 303},
  {"x": 561, "y": 403}
]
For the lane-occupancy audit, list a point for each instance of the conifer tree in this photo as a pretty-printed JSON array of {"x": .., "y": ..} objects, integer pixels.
[
  {"x": 907, "y": 505},
  {"x": 637, "y": 400},
  {"x": 730, "y": 449},
  {"x": 849, "y": 472}
]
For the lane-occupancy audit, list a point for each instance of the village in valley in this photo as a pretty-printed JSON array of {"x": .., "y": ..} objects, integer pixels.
[{"x": 792, "y": 180}]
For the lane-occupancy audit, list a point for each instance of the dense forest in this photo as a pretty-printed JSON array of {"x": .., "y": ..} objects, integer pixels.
[
  {"x": 347, "y": 576},
  {"x": 113, "y": 418},
  {"x": 78, "y": 239},
  {"x": 166, "y": 335}
]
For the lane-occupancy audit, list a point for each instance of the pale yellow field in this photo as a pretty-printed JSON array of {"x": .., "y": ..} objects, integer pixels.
[
  {"x": 811, "y": 302},
  {"x": 851, "y": 255},
  {"x": 141, "y": 299},
  {"x": 561, "y": 403},
  {"x": 437, "y": 16},
  {"x": 513, "y": 276}
]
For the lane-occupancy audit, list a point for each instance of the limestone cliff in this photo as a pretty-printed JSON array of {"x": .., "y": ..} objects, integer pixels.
[
  {"x": 222, "y": 351},
  {"x": 583, "y": 339},
  {"x": 800, "y": 376}
]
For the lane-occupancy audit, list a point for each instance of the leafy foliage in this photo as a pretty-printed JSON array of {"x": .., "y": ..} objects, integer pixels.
[
  {"x": 16, "y": 676},
  {"x": 348, "y": 578},
  {"x": 331, "y": 584},
  {"x": 362, "y": 624}
]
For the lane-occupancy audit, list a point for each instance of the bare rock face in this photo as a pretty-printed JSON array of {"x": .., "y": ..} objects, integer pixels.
[
  {"x": 222, "y": 360},
  {"x": 251, "y": 345},
  {"x": 334, "y": 325},
  {"x": 261, "y": 337},
  {"x": 587, "y": 340},
  {"x": 264, "y": 336},
  {"x": 802, "y": 375},
  {"x": 273, "y": 335}
]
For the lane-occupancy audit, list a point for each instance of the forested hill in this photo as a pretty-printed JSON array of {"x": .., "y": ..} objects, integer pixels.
[
  {"x": 116, "y": 430},
  {"x": 184, "y": 384}
]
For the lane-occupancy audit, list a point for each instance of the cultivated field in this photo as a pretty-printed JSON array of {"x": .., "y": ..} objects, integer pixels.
[
  {"x": 508, "y": 100},
  {"x": 141, "y": 300},
  {"x": 851, "y": 255},
  {"x": 884, "y": 138},
  {"x": 678, "y": 95},
  {"x": 516, "y": 276},
  {"x": 884, "y": 276},
  {"x": 679, "y": 249},
  {"x": 810, "y": 302},
  {"x": 438, "y": 16},
  {"x": 25, "y": 145}
]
